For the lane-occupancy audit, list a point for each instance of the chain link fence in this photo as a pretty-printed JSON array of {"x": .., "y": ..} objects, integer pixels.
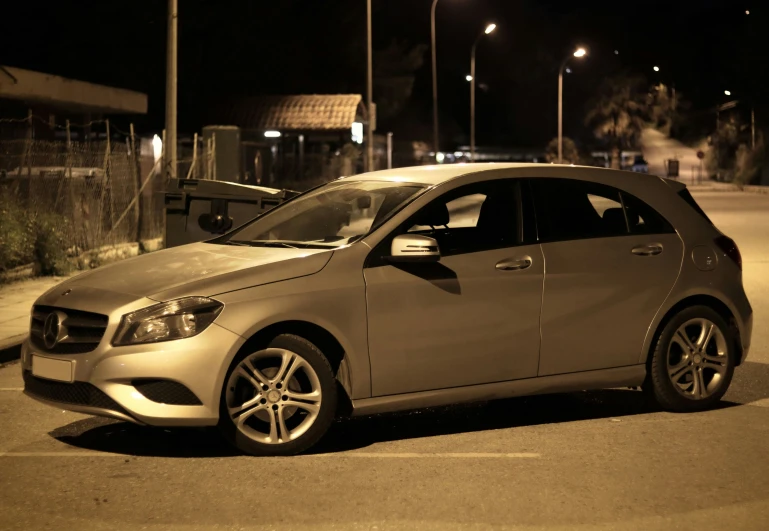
[{"x": 73, "y": 197}]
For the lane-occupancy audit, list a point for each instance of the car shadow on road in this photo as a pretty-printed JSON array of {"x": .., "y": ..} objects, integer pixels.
[{"x": 106, "y": 435}]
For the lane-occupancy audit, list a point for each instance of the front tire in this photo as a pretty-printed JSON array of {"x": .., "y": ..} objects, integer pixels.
[
  {"x": 692, "y": 363},
  {"x": 279, "y": 400}
]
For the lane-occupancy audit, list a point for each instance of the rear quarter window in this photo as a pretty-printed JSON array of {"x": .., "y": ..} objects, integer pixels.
[{"x": 686, "y": 196}]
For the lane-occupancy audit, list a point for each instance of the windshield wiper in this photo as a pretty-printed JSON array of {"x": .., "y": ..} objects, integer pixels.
[{"x": 262, "y": 243}]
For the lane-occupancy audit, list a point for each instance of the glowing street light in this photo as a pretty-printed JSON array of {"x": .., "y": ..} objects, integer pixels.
[
  {"x": 489, "y": 29},
  {"x": 656, "y": 68},
  {"x": 272, "y": 134},
  {"x": 578, "y": 53},
  {"x": 728, "y": 92},
  {"x": 468, "y": 77}
]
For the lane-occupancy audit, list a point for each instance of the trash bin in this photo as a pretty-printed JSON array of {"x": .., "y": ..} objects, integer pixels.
[
  {"x": 198, "y": 210},
  {"x": 672, "y": 168}
]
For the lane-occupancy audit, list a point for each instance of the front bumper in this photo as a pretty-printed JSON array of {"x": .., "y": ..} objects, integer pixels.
[{"x": 174, "y": 383}]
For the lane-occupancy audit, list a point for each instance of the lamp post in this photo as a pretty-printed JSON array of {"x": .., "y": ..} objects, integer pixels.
[
  {"x": 436, "y": 141},
  {"x": 171, "y": 70},
  {"x": 580, "y": 52},
  {"x": 489, "y": 29},
  {"x": 369, "y": 93}
]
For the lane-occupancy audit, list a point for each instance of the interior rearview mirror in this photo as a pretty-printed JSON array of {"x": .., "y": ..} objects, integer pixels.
[
  {"x": 414, "y": 248},
  {"x": 364, "y": 201}
]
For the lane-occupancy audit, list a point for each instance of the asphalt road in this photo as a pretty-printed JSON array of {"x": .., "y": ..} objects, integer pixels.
[{"x": 598, "y": 460}]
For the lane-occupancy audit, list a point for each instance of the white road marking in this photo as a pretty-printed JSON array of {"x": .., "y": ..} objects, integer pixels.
[
  {"x": 11, "y": 388},
  {"x": 61, "y": 454},
  {"x": 374, "y": 455},
  {"x": 411, "y": 455}
]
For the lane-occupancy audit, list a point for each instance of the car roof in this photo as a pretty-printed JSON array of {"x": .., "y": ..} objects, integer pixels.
[{"x": 437, "y": 174}]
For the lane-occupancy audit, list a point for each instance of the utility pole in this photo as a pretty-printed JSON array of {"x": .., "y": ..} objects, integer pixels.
[
  {"x": 560, "y": 114},
  {"x": 436, "y": 140},
  {"x": 369, "y": 93},
  {"x": 472, "y": 103},
  {"x": 171, "y": 76}
]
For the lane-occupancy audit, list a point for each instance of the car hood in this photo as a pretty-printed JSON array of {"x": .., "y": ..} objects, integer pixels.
[{"x": 201, "y": 269}]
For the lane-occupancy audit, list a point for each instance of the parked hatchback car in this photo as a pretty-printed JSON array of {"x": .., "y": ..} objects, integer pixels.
[{"x": 404, "y": 289}]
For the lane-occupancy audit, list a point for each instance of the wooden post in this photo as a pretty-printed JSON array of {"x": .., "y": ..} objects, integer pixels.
[
  {"x": 133, "y": 161},
  {"x": 27, "y": 147},
  {"x": 209, "y": 159},
  {"x": 191, "y": 174},
  {"x": 213, "y": 154},
  {"x": 165, "y": 188}
]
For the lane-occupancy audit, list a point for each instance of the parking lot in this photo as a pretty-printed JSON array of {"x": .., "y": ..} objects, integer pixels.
[{"x": 593, "y": 460}]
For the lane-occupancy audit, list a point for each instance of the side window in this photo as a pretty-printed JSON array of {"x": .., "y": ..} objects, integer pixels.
[
  {"x": 642, "y": 218},
  {"x": 471, "y": 218},
  {"x": 568, "y": 209}
]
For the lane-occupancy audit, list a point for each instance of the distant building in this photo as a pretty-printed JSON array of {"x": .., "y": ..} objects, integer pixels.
[{"x": 298, "y": 137}]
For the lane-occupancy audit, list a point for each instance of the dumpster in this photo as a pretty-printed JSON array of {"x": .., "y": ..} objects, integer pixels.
[{"x": 198, "y": 210}]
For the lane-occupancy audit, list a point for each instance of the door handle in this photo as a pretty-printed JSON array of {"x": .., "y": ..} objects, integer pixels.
[
  {"x": 514, "y": 264},
  {"x": 647, "y": 250}
]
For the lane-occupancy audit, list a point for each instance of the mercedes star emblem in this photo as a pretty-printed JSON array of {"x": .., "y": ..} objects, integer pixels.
[{"x": 51, "y": 330}]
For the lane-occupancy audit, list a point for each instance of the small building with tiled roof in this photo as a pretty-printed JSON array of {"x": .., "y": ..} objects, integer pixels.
[
  {"x": 299, "y": 113},
  {"x": 296, "y": 137}
]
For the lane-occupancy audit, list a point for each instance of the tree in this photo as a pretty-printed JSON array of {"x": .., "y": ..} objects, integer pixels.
[
  {"x": 620, "y": 113},
  {"x": 570, "y": 151},
  {"x": 394, "y": 76}
]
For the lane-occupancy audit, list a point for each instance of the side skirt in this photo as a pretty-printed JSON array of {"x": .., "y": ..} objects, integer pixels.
[{"x": 629, "y": 376}]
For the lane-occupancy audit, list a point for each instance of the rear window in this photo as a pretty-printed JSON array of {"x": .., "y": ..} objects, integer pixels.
[{"x": 686, "y": 196}]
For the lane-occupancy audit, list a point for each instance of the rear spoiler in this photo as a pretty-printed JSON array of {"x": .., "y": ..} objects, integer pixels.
[{"x": 676, "y": 185}]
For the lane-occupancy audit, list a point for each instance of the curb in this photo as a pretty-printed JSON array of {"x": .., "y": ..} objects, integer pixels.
[{"x": 11, "y": 351}]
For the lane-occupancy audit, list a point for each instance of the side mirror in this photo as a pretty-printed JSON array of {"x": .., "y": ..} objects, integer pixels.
[{"x": 414, "y": 248}]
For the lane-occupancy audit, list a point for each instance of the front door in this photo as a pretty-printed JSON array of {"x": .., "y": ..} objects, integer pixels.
[
  {"x": 611, "y": 261},
  {"x": 471, "y": 318}
]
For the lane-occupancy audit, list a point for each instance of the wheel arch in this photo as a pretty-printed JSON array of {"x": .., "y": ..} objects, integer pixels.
[
  {"x": 328, "y": 344},
  {"x": 709, "y": 301}
]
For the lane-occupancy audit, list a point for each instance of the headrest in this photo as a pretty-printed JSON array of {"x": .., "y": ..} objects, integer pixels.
[
  {"x": 613, "y": 217},
  {"x": 434, "y": 215}
]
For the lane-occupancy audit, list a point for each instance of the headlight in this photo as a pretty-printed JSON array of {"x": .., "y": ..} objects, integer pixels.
[{"x": 167, "y": 321}]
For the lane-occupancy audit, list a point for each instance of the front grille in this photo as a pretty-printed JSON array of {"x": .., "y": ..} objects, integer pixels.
[
  {"x": 166, "y": 392},
  {"x": 82, "y": 331},
  {"x": 76, "y": 393}
]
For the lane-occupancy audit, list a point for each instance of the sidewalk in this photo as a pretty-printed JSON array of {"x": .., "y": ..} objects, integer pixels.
[{"x": 16, "y": 301}]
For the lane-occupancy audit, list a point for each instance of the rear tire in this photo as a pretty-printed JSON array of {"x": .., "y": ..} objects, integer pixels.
[
  {"x": 279, "y": 400},
  {"x": 692, "y": 363}
]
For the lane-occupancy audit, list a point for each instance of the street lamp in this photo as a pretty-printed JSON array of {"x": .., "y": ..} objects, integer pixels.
[
  {"x": 656, "y": 68},
  {"x": 369, "y": 93},
  {"x": 435, "y": 78},
  {"x": 728, "y": 92},
  {"x": 486, "y": 31},
  {"x": 578, "y": 53}
]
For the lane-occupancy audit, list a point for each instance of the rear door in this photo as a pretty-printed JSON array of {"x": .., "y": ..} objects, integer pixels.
[{"x": 610, "y": 262}]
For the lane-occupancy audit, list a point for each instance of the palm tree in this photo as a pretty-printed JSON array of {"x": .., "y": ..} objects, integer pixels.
[{"x": 620, "y": 113}]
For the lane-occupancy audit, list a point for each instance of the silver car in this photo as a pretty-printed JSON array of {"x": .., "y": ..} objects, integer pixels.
[{"x": 404, "y": 289}]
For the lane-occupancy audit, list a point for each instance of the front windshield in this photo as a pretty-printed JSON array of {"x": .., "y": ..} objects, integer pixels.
[{"x": 333, "y": 215}]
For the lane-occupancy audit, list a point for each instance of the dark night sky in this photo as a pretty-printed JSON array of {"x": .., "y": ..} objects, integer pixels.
[{"x": 230, "y": 48}]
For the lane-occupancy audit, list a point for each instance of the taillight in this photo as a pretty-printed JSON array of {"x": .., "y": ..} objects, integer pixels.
[{"x": 730, "y": 249}]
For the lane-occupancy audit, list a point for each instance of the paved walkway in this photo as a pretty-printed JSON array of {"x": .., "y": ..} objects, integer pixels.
[
  {"x": 16, "y": 301},
  {"x": 657, "y": 148}
]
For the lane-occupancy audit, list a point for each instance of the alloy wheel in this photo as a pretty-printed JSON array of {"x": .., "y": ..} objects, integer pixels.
[
  {"x": 698, "y": 358},
  {"x": 273, "y": 396}
]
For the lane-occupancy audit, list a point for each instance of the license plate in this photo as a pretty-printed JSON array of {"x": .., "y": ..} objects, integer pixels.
[{"x": 60, "y": 370}]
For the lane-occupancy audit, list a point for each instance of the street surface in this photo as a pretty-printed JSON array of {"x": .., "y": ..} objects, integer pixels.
[{"x": 600, "y": 460}]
